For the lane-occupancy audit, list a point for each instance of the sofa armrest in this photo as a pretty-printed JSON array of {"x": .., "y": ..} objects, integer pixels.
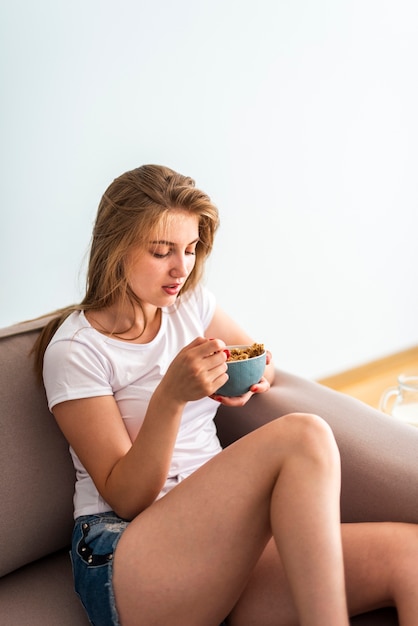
[{"x": 379, "y": 455}]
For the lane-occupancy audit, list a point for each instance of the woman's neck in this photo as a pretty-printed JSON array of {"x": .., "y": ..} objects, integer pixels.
[{"x": 135, "y": 326}]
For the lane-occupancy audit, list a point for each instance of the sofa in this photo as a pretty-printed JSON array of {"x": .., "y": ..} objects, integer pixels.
[{"x": 379, "y": 478}]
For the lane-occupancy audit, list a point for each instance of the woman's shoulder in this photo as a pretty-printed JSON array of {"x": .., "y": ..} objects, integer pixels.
[
  {"x": 75, "y": 322},
  {"x": 75, "y": 335}
]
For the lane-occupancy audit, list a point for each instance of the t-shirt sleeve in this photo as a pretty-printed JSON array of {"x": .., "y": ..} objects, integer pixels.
[{"x": 72, "y": 370}]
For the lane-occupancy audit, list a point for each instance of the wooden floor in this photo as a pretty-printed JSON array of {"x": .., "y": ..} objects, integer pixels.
[{"x": 369, "y": 381}]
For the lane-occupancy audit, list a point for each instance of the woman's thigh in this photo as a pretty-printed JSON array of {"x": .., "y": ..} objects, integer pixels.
[
  {"x": 193, "y": 548},
  {"x": 188, "y": 557}
]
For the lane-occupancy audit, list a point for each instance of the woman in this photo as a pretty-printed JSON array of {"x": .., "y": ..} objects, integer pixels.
[{"x": 169, "y": 529}]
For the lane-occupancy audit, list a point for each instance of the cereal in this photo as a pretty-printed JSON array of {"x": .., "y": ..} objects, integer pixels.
[{"x": 241, "y": 354}]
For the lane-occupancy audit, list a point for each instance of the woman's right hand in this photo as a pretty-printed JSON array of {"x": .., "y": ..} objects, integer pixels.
[{"x": 197, "y": 371}]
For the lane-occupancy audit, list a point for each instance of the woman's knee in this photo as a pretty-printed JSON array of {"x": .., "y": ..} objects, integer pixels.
[{"x": 310, "y": 435}]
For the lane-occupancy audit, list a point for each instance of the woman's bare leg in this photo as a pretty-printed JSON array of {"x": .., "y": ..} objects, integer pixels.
[
  {"x": 381, "y": 561},
  {"x": 187, "y": 559},
  {"x": 382, "y": 568}
]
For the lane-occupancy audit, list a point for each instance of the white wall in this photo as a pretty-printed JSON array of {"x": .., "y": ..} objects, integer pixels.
[{"x": 299, "y": 118}]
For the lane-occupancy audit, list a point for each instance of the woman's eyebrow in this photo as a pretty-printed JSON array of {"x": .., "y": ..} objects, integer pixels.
[{"x": 164, "y": 242}]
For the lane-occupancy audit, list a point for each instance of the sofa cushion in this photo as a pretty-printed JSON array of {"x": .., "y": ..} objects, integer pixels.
[
  {"x": 37, "y": 483},
  {"x": 41, "y": 594}
]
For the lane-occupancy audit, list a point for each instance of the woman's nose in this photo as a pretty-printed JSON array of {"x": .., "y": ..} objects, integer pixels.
[{"x": 179, "y": 268}]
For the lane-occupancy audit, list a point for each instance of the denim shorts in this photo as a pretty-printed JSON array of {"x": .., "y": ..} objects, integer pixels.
[{"x": 95, "y": 538}]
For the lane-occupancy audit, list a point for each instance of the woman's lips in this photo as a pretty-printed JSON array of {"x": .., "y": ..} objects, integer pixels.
[{"x": 172, "y": 290}]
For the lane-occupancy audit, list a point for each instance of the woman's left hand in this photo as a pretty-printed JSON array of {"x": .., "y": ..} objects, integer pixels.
[{"x": 260, "y": 387}]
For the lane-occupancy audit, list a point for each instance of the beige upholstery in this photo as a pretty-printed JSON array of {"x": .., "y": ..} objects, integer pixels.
[{"x": 379, "y": 461}]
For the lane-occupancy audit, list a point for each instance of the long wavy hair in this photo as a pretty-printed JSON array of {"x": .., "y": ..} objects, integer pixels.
[{"x": 135, "y": 204}]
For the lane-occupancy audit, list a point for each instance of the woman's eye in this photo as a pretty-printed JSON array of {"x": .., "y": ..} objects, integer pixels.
[
  {"x": 164, "y": 252},
  {"x": 160, "y": 253}
]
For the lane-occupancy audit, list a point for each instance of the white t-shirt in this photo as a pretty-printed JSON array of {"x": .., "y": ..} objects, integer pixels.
[{"x": 80, "y": 362}]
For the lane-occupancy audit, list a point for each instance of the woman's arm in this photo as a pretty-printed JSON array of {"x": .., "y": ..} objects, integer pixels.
[{"x": 128, "y": 475}]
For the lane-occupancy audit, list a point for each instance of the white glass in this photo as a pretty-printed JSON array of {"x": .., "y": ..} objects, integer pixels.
[{"x": 402, "y": 401}]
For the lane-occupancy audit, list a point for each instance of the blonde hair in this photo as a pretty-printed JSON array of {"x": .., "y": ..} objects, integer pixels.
[{"x": 133, "y": 206}]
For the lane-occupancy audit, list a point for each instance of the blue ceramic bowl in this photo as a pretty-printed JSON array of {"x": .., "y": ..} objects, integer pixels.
[{"x": 242, "y": 374}]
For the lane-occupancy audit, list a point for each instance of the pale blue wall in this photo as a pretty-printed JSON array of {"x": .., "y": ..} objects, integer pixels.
[{"x": 299, "y": 118}]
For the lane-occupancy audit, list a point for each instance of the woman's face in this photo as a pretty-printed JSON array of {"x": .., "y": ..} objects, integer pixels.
[{"x": 157, "y": 271}]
